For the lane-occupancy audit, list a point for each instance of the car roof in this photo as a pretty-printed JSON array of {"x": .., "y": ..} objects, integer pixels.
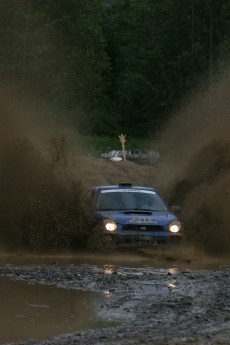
[{"x": 122, "y": 186}]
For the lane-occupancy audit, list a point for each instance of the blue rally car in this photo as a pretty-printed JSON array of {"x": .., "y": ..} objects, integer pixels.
[{"x": 128, "y": 215}]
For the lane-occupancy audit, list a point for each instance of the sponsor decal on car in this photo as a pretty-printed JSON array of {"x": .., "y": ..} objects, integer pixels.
[{"x": 143, "y": 221}]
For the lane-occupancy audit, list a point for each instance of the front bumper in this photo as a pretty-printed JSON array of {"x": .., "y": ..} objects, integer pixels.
[{"x": 142, "y": 239}]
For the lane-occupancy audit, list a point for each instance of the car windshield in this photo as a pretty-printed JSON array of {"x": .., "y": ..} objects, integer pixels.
[{"x": 130, "y": 199}]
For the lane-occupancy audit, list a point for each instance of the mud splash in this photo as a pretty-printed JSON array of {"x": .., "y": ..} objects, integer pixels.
[
  {"x": 198, "y": 175},
  {"x": 40, "y": 203},
  {"x": 42, "y": 187}
]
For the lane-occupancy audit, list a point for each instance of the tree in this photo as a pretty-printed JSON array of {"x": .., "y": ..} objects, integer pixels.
[
  {"x": 160, "y": 51},
  {"x": 108, "y": 67}
]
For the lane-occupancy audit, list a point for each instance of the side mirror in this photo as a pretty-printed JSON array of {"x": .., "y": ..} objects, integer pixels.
[{"x": 175, "y": 209}]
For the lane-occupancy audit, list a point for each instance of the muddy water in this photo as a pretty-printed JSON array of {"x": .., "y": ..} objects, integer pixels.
[
  {"x": 38, "y": 311},
  {"x": 185, "y": 256},
  {"x": 128, "y": 283}
]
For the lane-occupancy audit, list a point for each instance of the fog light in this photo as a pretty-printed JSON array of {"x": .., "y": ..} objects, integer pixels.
[{"x": 110, "y": 225}]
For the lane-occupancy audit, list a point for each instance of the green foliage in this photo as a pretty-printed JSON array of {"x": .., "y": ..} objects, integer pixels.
[
  {"x": 111, "y": 69},
  {"x": 163, "y": 47},
  {"x": 80, "y": 23}
]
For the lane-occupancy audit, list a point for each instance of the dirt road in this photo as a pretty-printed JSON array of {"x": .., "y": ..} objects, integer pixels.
[{"x": 150, "y": 302}]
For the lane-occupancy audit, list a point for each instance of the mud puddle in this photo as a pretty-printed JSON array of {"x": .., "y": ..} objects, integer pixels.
[
  {"x": 146, "y": 300},
  {"x": 34, "y": 311},
  {"x": 182, "y": 257}
]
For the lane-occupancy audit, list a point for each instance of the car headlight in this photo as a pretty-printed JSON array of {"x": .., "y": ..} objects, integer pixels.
[
  {"x": 175, "y": 226},
  {"x": 110, "y": 225}
]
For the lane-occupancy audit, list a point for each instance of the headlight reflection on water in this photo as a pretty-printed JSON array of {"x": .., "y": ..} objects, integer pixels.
[
  {"x": 109, "y": 269},
  {"x": 173, "y": 270},
  {"x": 107, "y": 294},
  {"x": 171, "y": 285}
]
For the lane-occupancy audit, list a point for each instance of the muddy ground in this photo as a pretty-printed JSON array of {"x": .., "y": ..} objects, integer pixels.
[{"x": 160, "y": 299}]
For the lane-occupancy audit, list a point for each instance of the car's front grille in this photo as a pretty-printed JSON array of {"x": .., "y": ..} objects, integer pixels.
[{"x": 142, "y": 227}]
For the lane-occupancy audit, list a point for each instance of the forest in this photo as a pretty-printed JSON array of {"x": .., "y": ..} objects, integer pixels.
[{"x": 109, "y": 67}]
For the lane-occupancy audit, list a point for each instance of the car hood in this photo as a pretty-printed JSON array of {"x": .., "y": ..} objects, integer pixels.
[{"x": 136, "y": 216}]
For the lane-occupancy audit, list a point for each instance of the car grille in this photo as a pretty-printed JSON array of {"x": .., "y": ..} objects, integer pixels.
[{"x": 142, "y": 227}]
